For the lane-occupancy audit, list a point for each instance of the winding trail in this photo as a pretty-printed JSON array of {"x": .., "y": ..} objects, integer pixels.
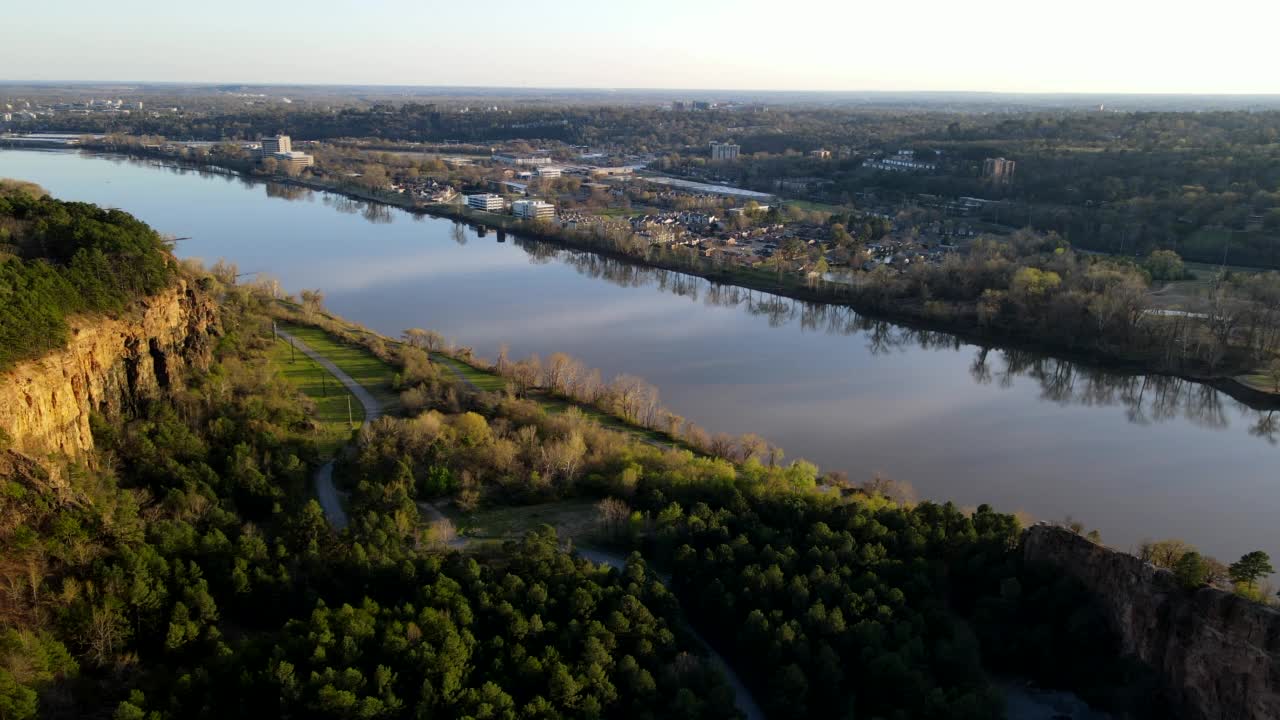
[
  {"x": 326, "y": 492},
  {"x": 742, "y": 697},
  {"x": 331, "y": 501}
]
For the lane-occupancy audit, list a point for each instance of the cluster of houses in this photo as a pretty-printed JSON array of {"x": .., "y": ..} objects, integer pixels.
[
  {"x": 671, "y": 226},
  {"x": 427, "y": 190}
]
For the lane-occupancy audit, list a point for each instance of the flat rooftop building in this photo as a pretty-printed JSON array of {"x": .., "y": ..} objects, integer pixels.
[
  {"x": 485, "y": 201},
  {"x": 293, "y": 160},
  {"x": 533, "y": 210}
]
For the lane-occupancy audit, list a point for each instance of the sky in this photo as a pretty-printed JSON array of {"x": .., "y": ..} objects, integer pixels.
[{"x": 1093, "y": 46}]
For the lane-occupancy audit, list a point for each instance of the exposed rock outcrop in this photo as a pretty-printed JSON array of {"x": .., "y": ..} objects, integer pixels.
[
  {"x": 111, "y": 364},
  {"x": 1217, "y": 654}
]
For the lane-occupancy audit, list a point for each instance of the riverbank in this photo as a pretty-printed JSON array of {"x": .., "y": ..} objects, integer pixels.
[
  {"x": 958, "y": 320},
  {"x": 910, "y": 315}
]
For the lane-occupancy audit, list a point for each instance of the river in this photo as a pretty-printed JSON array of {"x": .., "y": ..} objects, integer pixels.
[{"x": 1132, "y": 456}]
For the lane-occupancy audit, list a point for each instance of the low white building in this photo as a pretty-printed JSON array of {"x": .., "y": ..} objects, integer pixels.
[
  {"x": 528, "y": 160},
  {"x": 486, "y": 201},
  {"x": 533, "y": 210},
  {"x": 550, "y": 172},
  {"x": 293, "y": 160}
]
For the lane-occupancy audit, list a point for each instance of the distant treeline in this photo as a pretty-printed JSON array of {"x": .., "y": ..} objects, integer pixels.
[{"x": 59, "y": 258}]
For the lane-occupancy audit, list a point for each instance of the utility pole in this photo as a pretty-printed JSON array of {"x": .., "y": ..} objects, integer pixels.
[
  {"x": 350, "y": 420},
  {"x": 274, "y": 335},
  {"x": 324, "y": 385}
]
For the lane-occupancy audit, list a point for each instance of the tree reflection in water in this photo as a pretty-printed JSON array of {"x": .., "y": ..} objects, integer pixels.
[
  {"x": 285, "y": 191},
  {"x": 1146, "y": 399}
]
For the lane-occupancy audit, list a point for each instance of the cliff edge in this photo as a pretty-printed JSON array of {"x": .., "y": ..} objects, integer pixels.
[
  {"x": 109, "y": 365},
  {"x": 1217, "y": 654}
]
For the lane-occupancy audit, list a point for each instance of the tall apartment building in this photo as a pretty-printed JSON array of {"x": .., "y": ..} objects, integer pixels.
[
  {"x": 533, "y": 210},
  {"x": 485, "y": 201},
  {"x": 724, "y": 151},
  {"x": 998, "y": 169},
  {"x": 277, "y": 144}
]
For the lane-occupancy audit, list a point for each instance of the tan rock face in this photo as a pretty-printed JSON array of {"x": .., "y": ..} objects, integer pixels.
[
  {"x": 110, "y": 364},
  {"x": 1218, "y": 655}
]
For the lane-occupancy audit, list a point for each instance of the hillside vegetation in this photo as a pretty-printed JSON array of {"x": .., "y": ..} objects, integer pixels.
[
  {"x": 187, "y": 573},
  {"x": 60, "y": 258}
]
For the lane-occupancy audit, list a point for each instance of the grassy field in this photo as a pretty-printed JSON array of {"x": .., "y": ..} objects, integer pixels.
[
  {"x": 1190, "y": 294},
  {"x": 324, "y": 390},
  {"x": 375, "y": 375},
  {"x": 1260, "y": 381},
  {"x": 820, "y": 207},
  {"x": 484, "y": 380},
  {"x": 491, "y": 382},
  {"x": 570, "y": 518},
  {"x": 555, "y": 405}
]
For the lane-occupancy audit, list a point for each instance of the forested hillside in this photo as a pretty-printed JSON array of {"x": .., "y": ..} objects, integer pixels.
[
  {"x": 59, "y": 258},
  {"x": 184, "y": 571},
  {"x": 189, "y": 577}
]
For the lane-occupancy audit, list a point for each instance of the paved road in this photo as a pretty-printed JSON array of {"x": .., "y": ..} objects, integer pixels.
[{"x": 327, "y": 493}]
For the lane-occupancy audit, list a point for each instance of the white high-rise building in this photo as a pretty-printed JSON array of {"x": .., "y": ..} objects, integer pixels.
[{"x": 724, "y": 151}]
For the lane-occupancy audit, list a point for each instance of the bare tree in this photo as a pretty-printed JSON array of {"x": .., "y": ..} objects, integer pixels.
[
  {"x": 225, "y": 272},
  {"x": 526, "y": 373},
  {"x": 752, "y": 446},
  {"x": 312, "y": 301},
  {"x": 613, "y": 514},
  {"x": 562, "y": 373},
  {"x": 416, "y": 337}
]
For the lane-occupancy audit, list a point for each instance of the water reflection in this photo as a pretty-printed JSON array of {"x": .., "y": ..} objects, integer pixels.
[
  {"x": 375, "y": 213},
  {"x": 287, "y": 191},
  {"x": 1146, "y": 399}
]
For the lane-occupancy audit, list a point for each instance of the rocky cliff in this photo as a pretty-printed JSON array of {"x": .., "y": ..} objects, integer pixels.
[
  {"x": 1218, "y": 655},
  {"x": 110, "y": 364}
]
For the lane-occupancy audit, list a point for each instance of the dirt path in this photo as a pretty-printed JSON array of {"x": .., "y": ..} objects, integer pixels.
[{"x": 326, "y": 492}]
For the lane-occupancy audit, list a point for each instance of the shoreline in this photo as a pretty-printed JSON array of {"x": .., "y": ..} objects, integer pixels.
[{"x": 1228, "y": 384}]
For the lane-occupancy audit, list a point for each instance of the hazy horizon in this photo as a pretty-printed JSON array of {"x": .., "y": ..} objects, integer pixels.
[
  {"x": 994, "y": 46},
  {"x": 106, "y": 82}
]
